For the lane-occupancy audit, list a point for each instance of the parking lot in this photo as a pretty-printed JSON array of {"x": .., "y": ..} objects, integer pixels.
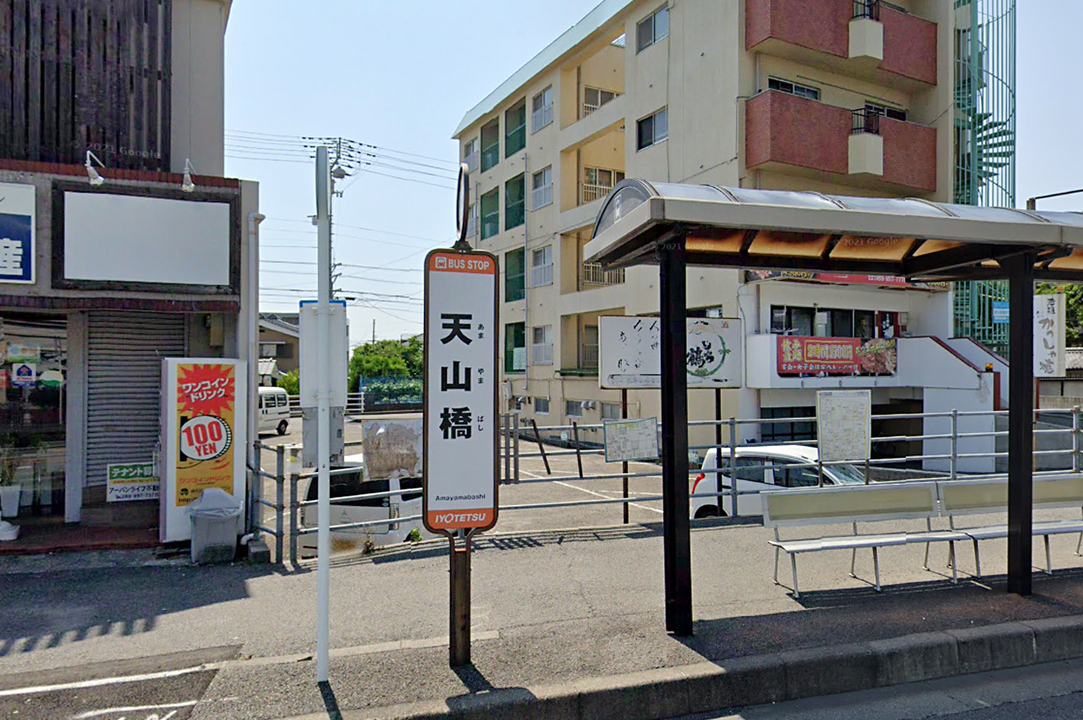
[{"x": 536, "y": 486}]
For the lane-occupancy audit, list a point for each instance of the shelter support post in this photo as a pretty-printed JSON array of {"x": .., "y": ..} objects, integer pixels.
[
  {"x": 1020, "y": 270},
  {"x": 675, "y": 503}
]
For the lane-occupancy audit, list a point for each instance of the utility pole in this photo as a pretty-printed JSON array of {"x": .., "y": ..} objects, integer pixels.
[
  {"x": 323, "y": 416},
  {"x": 374, "y": 330}
]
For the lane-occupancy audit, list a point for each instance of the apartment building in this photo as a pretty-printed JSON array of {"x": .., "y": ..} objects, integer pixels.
[
  {"x": 126, "y": 244},
  {"x": 841, "y": 97}
]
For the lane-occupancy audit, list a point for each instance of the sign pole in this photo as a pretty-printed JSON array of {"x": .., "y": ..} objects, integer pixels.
[
  {"x": 323, "y": 410},
  {"x": 459, "y": 646},
  {"x": 461, "y": 418}
]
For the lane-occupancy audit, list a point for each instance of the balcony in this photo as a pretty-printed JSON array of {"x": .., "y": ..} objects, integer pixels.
[
  {"x": 592, "y": 275},
  {"x": 800, "y": 136},
  {"x": 588, "y": 356},
  {"x": 866, "y": 38}
]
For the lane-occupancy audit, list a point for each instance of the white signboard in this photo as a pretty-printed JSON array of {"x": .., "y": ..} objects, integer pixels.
[
  {"x": 630, "y": 355},
  {"x": 311, "y": 353},
  {"x": 461, "y": 383},
  {"x": 1049, "y": 336},
  {"x": 17, "y": 233},
  {"x": 151, "y": 240},
  {"x": 631, "y": 439},
  {"x": 844, "y": 419},
  {"x": 131, "y": 481}
]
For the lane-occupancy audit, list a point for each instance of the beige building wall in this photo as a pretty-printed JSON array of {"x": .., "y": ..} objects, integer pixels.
[
  {"x": 198, "y": 132},
  {"x": 702, "y": 74}
]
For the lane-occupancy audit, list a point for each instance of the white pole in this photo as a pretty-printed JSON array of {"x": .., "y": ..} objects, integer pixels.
[{"x": 323, "y": 412}]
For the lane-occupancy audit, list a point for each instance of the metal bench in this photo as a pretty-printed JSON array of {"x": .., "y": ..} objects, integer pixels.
[
  {"x": 853, "y": 505},
  {"x": 971, "y": 497}
]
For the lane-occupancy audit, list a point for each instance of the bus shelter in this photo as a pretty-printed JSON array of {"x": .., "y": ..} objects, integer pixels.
[{"x": 677, "y": 225}]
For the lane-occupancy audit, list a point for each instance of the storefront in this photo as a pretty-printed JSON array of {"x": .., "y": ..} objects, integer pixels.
[{"x": 99, "y": 283}]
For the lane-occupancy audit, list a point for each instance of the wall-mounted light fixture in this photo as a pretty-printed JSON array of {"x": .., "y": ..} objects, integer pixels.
[
  {"x": 186, "y": 184},
  {"x": 95, "y": 177}
]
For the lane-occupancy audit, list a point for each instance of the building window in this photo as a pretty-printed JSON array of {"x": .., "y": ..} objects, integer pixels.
[
  {"x": 514, "y": 275},
  {"x": 594, "y": 98},
  {"x": 490, "y": 144},
  {"x": 819, "y": 322},
  {"x": 490, "y": 214},
  {"x": 541, "y": 193},
  {"x": 652, "y": 28},
  {"x": 783, "y": 432},
  {"x": 515, "y": 347},
  {"x": 541, "y": 267},
  {"x": 541, "y": 345},
  {"x": 514, "y": 202},
  {"x": 541, "y": 406},
  {"x": 793, "y": 88},
  {"x": 541, "y": 109},
  {"x": 588, "y": 350},
  {"x": 890, "y": 112},
  {"x": 471, "y": 154},
  {"x": 611, "y": 411},
  {"x": 652, "y": 129},
  {"x": 573, "y": 408},
  {"x": 515, "y": 128}
]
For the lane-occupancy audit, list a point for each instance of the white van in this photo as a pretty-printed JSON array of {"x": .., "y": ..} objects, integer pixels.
[
  {"x": 274, "y": 410},
  {"x": 763, "y": 467}
]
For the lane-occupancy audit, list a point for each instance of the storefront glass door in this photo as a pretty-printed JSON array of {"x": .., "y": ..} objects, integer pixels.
[{"x": 32, "y": 415}]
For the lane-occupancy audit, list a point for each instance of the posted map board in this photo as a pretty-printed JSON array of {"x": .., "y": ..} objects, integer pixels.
[
  {"x": 461, "y": 383},
  {"x": 845, "y": 424},
  {"x": 630, "y": 354},
  {"x": 631, "y": 439}
]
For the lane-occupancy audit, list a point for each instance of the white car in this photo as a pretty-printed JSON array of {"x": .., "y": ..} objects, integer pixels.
[
  {"x": 365, "y": 509},
  {"x": 763, "y": 467},
  {"x": 274, "y": 410}
]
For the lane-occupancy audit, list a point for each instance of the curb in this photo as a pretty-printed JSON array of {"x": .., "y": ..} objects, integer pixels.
[{"x": 760, "y": 679}]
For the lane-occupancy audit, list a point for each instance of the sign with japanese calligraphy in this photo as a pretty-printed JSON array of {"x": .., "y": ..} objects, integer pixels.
[
  {"x": 203, "y": 436},
  {"x": 17, "y": 233},
  {"x": 131, "y": 481},
  {"x": 460, "y": 423},
  {"x": 1049, "y": 336},
  {"x": 630, "y": 357},
  {"x": 844, "y": 420}
]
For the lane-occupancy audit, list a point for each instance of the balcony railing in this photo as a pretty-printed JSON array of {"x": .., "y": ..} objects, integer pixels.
[
  {"x": 541, "y": 354},
  {"x": 471, "y": 161},
  {"x": 541, "y": 196},
  {"x": 589, "y": 192},
  {"x": 541, "y": 117},
  {"x": 593, "y": 275},
  {"x": 541, "y": 275},
  {"x": 865, "y": 121}
]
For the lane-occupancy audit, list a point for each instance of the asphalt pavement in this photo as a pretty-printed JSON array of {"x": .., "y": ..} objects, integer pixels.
[{"x": 566, "y": 623}]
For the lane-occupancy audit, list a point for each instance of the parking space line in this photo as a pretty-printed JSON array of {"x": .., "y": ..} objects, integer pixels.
[{"x": 597, "y": 494}]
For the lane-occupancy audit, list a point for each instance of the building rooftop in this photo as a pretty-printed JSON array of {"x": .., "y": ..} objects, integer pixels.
[{"x": 594, "y": 21}]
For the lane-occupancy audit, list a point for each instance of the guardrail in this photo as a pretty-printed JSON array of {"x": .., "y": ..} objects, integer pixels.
[{"x": 1060, "y": 435}]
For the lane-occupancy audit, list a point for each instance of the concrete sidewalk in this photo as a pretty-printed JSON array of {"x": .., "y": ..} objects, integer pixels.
[{"x": 566, "y": 624}]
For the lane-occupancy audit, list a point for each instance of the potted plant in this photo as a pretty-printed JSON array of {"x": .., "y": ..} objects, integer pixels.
[{"x": 10, "y": 491}]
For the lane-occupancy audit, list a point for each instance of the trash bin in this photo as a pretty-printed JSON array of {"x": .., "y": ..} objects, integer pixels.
[{"x": 214, "y": 526}]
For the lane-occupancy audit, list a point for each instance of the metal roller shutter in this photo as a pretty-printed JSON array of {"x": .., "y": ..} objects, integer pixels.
[{"x": 124, "y": 371}]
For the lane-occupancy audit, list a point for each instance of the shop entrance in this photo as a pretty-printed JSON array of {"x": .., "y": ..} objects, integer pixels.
[{"x": 32, "y": 412}]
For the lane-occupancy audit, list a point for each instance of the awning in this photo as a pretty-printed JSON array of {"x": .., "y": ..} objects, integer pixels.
[{"x": 775, "y": 229}]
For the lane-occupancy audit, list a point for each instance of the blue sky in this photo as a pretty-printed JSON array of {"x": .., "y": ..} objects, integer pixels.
[{"x": 400, "y": 75}]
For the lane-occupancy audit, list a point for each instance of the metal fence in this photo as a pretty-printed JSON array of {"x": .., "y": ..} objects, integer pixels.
[{"x": 946, "y": 449}]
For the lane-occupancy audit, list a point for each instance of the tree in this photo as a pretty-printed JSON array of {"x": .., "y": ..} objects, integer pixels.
[
  {"x": 290, "y": 382},
  {"x": 386, "y": 358},
  {"x": 1073, "y": 308}
]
